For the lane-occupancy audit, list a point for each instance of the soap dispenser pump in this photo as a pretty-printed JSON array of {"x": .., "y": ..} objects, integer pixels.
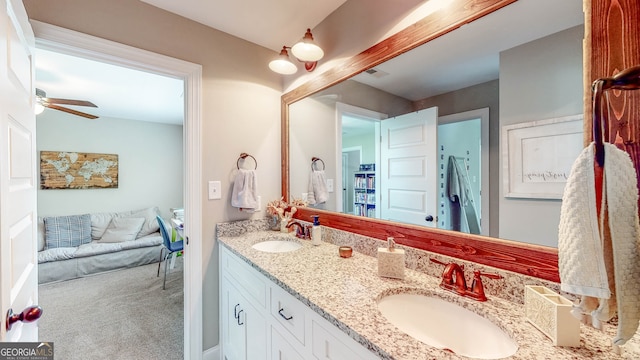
[{"x": 316, "y": 231}]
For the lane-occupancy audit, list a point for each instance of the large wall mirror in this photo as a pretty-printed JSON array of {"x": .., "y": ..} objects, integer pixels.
[{"x": 519, "y": 63}]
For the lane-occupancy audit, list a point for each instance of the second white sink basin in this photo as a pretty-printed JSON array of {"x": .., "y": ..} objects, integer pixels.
[
  {"x": 277, "y": 246},
  {"x": 445, "y": 325}
]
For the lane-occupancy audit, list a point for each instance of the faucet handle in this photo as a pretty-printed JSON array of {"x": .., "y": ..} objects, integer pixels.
[
  {"x": 489, "y": 275},
  {"x": 477, "y": 287}
]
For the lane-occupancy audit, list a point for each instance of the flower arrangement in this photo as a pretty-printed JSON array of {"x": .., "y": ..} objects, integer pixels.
[{"x": 279, "y": 208}]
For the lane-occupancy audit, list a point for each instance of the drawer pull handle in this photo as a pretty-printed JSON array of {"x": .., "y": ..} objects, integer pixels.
[
  {"x": 284, "y": 316},
  {"x": 235, "y": 311},
  {"x": 238, "y": 318}
]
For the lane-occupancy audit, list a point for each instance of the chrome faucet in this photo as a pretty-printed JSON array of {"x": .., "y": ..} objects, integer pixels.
[
  {"x": 453, "y": 280},
  {"x": 303, "y": 231}
]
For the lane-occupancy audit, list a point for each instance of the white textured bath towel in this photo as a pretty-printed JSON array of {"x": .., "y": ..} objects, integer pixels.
[
  {"x": 317, "y": 188},
  {"x": 245, "y": 190},
  {"x": 599, "y": 259}
]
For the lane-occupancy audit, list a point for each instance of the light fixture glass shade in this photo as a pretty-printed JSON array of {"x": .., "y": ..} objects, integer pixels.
[
  {"x": 38, "y": 109},
  {"x": 307, "y": 49},
  {"x": 282, "y": 64}
]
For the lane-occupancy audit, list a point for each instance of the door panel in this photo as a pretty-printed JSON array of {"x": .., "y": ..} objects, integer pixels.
[
  {"x": 409, "y": 168},
  {"x": 18, "y": 175}
]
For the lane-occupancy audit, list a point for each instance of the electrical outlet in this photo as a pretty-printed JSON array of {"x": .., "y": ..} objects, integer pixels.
[
  {"x": 215, "y": 190},
  {"x": 330, "y": 185}
]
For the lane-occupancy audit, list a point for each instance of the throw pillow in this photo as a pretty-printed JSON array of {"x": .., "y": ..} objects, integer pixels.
[
  {"x": 150, "y": 223},
  {"x": 67, "y": 231},
  {"x": 99, "y": 224},
  {"x": 122, "y": 229}
]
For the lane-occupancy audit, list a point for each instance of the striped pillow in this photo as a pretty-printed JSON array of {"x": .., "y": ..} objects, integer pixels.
[{"x": 67, "y": 231}]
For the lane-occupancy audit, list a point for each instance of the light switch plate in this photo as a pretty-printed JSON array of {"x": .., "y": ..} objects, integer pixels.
[
  {"x": 215, "y": 190},
  {"x": 330, "y": 185}
]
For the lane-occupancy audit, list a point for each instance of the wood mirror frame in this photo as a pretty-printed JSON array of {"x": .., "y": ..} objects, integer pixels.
[{"x": 611, "y": 43}]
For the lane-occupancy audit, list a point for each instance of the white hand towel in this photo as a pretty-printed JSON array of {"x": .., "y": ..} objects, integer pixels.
[
  {"x": 245, "y": 190},
  {"x": 317, "y": 191},
  {"x": 584, "y": 251}
]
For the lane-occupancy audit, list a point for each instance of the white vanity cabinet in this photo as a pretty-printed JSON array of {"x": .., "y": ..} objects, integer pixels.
[{"x": 260, "y": 320}]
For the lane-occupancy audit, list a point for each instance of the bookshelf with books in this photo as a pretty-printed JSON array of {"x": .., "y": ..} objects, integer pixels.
[{"x": 364, "y": 193}]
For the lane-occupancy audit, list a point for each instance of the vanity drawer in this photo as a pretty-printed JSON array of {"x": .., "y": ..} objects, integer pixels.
[
  {"x": 289, "y": 312},
  {"x": 328, "y": 347},
  {"x": 245, "y": 279},
  {"x": 281, "y": 349}
]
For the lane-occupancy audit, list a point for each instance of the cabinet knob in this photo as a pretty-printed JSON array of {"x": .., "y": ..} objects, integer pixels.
[{"x": 429, "y": 218}]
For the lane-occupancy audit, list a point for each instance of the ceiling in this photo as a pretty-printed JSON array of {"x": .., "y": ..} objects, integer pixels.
[
  {"x": 128, "y": 94},
  {"x": 124, "y": 93}
]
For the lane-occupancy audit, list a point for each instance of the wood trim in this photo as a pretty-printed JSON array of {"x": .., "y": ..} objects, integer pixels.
[
  {"x": 456, "y": 14},
  {"x": 537, "y": 261}
]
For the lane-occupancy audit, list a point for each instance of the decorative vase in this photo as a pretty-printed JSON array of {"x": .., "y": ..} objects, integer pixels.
[
  {"x": 274, "y": 222},
  {"x": 283, "y": 226}
]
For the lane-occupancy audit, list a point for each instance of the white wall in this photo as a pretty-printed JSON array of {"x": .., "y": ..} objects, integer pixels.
[
  {"x": 538, "y": 80},
  {"x": 149, "y": 156}
]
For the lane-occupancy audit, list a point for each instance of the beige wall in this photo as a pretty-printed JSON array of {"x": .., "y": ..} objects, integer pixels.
[
  {"x": 149, "y": 156},
  {"x": 239, "y": 93}
]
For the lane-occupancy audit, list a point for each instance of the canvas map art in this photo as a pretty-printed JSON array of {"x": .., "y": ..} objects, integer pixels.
[{"x": 74, "y": 170}]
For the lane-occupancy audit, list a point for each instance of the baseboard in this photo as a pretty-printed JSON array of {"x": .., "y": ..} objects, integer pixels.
[{"x": 212, "y": 353}]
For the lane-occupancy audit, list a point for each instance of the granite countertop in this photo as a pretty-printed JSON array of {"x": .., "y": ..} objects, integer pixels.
[{"x": 345, "y": 292}]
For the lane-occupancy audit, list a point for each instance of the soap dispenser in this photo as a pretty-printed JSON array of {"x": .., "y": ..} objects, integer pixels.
[
  {"x": 316, "y": 231},
  {"x": 391, "y": 261}
]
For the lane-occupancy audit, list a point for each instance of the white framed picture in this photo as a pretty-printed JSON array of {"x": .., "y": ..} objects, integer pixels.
[{"x": 538, "y": 155}]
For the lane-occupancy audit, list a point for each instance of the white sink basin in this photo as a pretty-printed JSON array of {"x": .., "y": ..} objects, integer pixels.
[
  {"x": 277, "y": 246},
  {"x": 445, "y": 325}
]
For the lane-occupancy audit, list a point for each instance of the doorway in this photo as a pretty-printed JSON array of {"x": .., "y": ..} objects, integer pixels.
[
  {"x": 351, "y": 160},
  {"x": 56, "y": 39}
]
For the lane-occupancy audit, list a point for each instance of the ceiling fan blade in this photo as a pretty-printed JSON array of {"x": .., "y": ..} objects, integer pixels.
[
  {"x": 70, "y": 111},
  {"x": 70, "y": 102}
]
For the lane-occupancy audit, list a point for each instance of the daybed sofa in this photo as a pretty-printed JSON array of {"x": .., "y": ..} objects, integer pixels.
[{"x": 79, "y": 245}]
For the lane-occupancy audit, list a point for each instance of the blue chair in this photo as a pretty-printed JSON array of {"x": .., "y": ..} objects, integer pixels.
[{"x": 170, "y": 246}]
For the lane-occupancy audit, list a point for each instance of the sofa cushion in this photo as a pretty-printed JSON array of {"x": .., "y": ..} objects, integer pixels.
[
  {"x": 67, "y": 231},
  {"x": 41, "y": 242},
  {"x": 122, "y": 229},
  {"x": 56, "y": 254}
]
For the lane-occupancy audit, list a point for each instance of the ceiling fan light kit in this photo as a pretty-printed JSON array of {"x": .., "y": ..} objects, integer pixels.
[
  {"x": 42, "y": 102},
  {"x": 306, "y": 51}
]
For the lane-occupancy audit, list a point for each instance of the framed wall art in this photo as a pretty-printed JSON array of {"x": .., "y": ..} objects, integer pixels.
[
  {"x": 75, "y": 170},
  {"x": 538, "y": 155}
]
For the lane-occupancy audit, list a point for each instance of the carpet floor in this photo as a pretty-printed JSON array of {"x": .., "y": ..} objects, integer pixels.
[{"x": 123, "y": 314}]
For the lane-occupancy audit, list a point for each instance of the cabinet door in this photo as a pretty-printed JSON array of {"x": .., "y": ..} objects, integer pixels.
[
  {"x": 233, "y": 330},
  {"x": 244, "y": 329}
]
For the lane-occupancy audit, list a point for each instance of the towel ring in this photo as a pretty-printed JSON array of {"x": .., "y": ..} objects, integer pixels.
[
  {"x": 244, "y": 156},
  {"x": 628, "y": 79},
  {"x": 313, "y": 161}
]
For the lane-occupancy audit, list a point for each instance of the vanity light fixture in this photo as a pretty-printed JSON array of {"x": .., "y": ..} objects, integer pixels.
[{"x": 306, "y": 51}]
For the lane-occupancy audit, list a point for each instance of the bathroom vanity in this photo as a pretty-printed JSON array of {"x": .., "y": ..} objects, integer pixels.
[{"x": 310, "y": 303}]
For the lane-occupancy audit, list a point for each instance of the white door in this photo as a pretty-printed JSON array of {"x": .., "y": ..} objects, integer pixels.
[
  {"x": 18, "y": 180},
  {"x": 409, "y": 168}
]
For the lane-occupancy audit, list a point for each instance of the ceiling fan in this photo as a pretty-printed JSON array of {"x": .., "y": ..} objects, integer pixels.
[{"x": 53, "y": 103}]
